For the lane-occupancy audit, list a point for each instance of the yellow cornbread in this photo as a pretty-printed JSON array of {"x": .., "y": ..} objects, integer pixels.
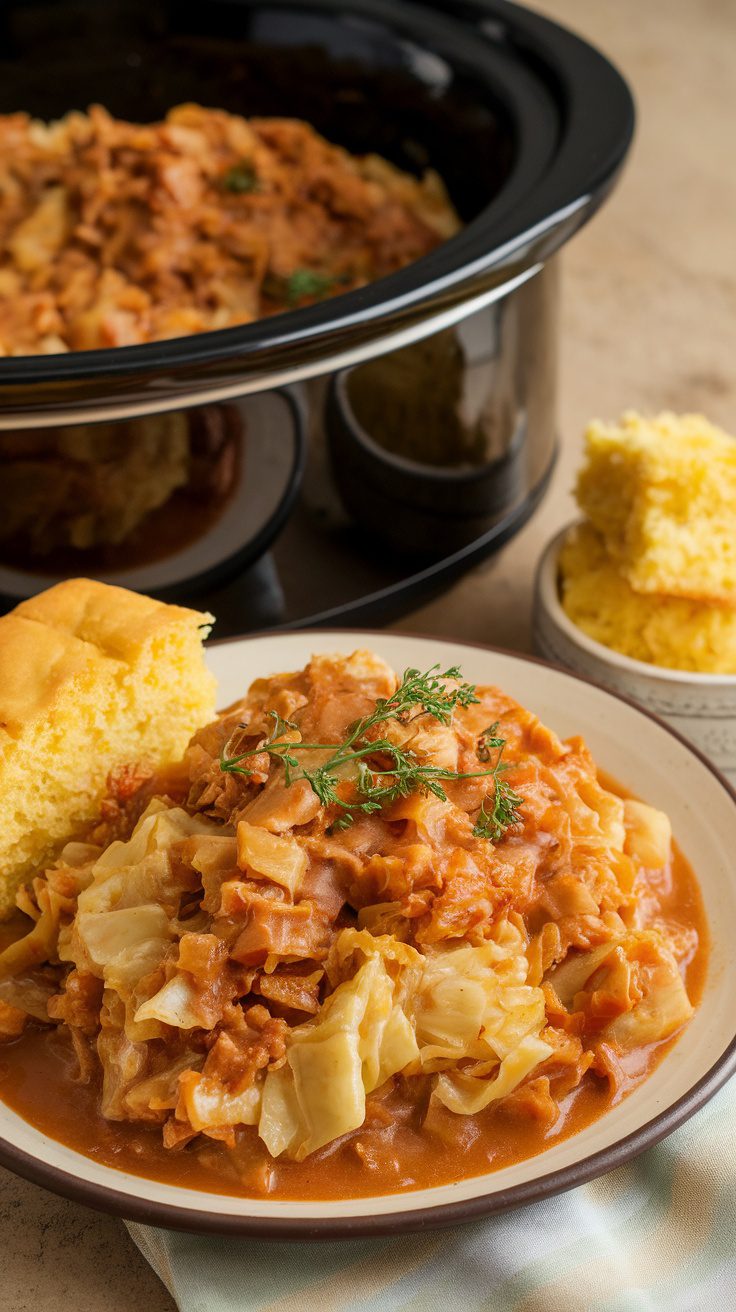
[
  {"x": 662, "y": 493},
  {"x": 91, "y": 677},
  {"x": 667, "y": 631}
]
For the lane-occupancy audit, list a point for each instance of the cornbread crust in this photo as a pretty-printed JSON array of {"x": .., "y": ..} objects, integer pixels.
[
  {"x": 37, "y": 663},
  {"x": 91, "y": 676},
  {"x": 117, "y": 622},
  {"x": 662, "y": 493}
]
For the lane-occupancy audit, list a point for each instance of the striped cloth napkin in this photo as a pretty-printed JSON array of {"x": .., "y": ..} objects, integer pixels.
[{"x": 659, "y": 1234}]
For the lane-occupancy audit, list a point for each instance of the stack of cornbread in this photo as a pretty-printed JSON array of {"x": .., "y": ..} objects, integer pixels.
[{"x": 651, "y": 572}]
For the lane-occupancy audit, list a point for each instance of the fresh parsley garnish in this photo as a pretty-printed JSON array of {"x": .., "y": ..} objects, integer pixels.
[
  {"x": 383, "y": 771},
  {"x": 241, "y": 179},
  {"x": 492, "y": 824},
  {"x": 308, "y": 283},
  {"x": 301, "y": 285}
]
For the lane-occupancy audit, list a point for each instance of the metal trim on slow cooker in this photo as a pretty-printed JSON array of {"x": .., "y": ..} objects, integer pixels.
[{"x": 148, "y": 404}]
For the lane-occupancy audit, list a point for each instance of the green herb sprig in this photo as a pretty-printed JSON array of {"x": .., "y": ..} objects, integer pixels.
[
  {"x": 378, "y": 785},
  {"x": 241, "y": 179},
  {"x": 493, "y": 824},
  {"x": 304, "y": 283}
]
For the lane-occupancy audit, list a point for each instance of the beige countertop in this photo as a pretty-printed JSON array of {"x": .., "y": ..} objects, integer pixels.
[{"x": 649, "y": 321}]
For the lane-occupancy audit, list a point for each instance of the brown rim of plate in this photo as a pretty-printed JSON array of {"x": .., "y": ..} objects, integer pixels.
[{"x": 444, "y": 1215}]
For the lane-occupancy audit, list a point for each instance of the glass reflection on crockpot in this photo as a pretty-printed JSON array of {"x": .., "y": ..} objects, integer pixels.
[
  {"x": 435, "y": 444},
  {"x": 105, "y": 497}
]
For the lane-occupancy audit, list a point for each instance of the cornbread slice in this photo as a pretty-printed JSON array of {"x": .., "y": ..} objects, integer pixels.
[
  {"x": 91, "y": 676},
  {"x": 662, "y": 492},
  {"x": 668, "y": 631}
]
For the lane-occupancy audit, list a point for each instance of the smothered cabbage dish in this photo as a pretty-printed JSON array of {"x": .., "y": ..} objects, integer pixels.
[
  {"x": 368, "y": 922},
  {"x": 115, "y": 233}
]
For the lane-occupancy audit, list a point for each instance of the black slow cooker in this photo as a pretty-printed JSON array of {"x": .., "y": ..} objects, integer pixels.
[{"x": 379, "y": 442}]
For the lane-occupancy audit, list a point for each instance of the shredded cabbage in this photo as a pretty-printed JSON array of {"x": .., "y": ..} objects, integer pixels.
[
  {"x": 403, "y": 1011},
  {"x": 357, "y": 1041},
  {"x": 466, "y": 1095},
  {"x": 474, "y": 1001},
  {"x": 648, "y": 834},
  {"x": 126, "y": 920},
  {"x": 174, "y": 1004},
  {"x": 209, "y": 1106},
  {"x": 634, "y": 982}
]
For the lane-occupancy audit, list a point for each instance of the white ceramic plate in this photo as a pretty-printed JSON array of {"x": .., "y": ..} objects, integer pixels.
[{"x": 645, "y": 756}]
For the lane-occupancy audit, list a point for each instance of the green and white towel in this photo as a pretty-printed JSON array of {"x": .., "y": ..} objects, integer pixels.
[{"x": 659, "y": 1234}]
